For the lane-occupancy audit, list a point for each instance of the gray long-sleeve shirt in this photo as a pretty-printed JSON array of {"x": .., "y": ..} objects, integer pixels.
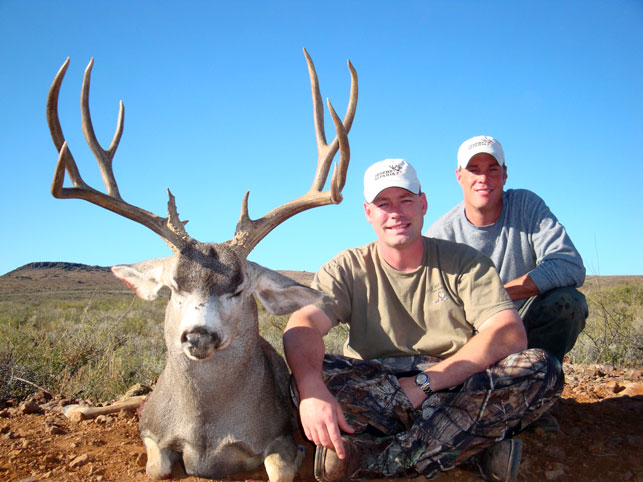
[{"x": 526, "y": 238}]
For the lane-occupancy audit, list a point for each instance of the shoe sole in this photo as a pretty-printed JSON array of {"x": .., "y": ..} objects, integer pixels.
[
  {"x": 515, "y": 458},
  {"x": 318, "y": 469}
]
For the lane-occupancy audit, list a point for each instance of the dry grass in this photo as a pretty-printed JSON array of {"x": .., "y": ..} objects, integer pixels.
[{"x": 75, "y": 332}]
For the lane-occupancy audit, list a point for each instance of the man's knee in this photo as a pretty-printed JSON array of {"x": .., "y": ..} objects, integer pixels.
[
  {"x": 554, "y": 320},
  {"x": 566, "y": 302}
]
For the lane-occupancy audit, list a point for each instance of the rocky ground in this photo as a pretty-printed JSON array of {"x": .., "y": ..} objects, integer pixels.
[{"x": 601, "y": 438}]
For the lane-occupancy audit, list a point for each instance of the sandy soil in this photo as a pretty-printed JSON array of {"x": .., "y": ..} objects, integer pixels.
[{"x": 601, "y": 438}]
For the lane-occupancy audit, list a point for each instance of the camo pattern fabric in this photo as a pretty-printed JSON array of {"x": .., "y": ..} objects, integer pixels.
[
  {"x": 554, "y": 320},
  {"x": 397, "y": 440}
]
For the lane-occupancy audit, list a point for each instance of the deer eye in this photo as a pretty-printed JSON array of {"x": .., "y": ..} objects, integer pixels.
[{"x": 236, "y": 294}]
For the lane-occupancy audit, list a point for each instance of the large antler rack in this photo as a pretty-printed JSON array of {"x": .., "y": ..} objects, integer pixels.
[
  {"x": 249, "y": 232},
  {"x": 171, "y": 229}
]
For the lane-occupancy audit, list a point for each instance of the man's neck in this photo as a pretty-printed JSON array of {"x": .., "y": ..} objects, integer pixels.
[
  {"x": 483, "y": 217},
  {"x": 405, "y": 258}
]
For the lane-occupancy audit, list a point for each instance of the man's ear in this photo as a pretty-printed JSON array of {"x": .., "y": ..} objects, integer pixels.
[
  {"x": 458, "y": 175},
  {"x": 367, "y": 211},
  {"x": 504, "y": 177},
  {"x": 425, "y": 203}
]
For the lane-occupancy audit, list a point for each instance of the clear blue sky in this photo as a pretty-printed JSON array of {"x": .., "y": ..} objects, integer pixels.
[{"x": 217, "y": 102}]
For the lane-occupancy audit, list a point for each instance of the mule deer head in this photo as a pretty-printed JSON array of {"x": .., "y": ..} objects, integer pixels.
[{"x": 206, "y": 410}]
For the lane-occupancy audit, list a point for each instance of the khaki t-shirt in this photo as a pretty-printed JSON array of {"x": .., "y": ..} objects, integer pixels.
[{"x": 433, "y": 310}]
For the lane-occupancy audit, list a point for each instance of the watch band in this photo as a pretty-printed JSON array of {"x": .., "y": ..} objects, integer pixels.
[{"x": 423, "y": 382}]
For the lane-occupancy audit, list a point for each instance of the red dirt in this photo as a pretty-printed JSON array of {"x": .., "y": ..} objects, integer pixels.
[{"x": 601, "y": 438}]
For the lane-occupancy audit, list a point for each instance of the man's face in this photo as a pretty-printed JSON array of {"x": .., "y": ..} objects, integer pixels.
[
  {"x": 397, "y": 216},
  {"x": 482, "y": 182}
]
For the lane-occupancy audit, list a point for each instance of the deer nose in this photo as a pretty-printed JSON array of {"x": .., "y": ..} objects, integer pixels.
[{"x": 200, "y": 342}]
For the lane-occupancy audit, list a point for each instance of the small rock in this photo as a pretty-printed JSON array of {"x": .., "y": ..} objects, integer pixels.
[
  {"x": 136, "y": 390},
  {"x": 126, "y": 414},
  {"x": 103, "y": 419},
  {"x": 54, "y": 429},
  {"x": 64, "y": 401},
  {"x": 42, "y": 396},
  {"x": 50, "y": 459},
  {"x": 79, "y": 461},
  {"x": 633, "y": 390},
  {"x": 557, "y": 471},
  {"x": 75, "y": 417},
  {"x": 29, "y": 407}
]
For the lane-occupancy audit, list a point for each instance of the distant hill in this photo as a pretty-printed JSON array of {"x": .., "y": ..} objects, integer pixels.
[
  {"x": 47, "y": 276},
  {"x": 60, "y": 276}
]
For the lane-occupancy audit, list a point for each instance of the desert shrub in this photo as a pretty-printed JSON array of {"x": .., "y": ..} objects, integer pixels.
[
  {"x": 92, "y": 348},
  {"x": 271, "y": 327},
  {"x": 97, "y": 345},
  {"x": 614, "y": 330}
]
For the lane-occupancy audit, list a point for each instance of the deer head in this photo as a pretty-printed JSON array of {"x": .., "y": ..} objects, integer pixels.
[{"x": 212, "y": 285}]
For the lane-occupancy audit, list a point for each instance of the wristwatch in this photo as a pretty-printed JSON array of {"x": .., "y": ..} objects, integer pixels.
[{"x": 422, "y": 381}]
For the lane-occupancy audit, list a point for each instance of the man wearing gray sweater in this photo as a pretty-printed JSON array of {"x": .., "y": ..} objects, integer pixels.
[{"x": 536, "y": 260}]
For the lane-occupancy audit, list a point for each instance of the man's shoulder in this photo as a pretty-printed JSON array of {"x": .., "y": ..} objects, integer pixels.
[
  {"x": 445, "y": 223},
  {"x": 521, "y": 196},
  {"x": 352, "y": 256},
  {"x": 451, "y": 252}
]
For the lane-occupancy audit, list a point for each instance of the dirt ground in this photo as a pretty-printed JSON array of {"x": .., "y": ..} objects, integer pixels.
[{"x": 601, "y": 438}]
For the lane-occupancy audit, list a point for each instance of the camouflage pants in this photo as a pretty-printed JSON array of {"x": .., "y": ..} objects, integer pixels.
[
  {"x": 554, "y": 319},
  {"x": 450, "y": 426}
]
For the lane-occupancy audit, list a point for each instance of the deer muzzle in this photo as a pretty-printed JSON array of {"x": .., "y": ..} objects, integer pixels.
[{"x": 200, "y": 342}]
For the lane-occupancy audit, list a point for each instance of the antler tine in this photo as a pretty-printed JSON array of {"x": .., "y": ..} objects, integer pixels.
[
  {"x": 326, "y": 152},
  {"x": 104, "y": 157},
  {"x": 171, "y": 229},
  {"x": 249, "y": 232}
]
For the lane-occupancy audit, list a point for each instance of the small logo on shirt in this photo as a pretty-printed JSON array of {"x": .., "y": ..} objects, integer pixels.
[{"x": 442, "y": 296}]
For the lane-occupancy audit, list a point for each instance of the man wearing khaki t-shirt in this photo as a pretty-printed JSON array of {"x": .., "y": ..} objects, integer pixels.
[{"x": 435, "y": 370}]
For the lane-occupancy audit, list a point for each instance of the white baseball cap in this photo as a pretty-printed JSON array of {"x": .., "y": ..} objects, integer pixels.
[
  {"x": 478, "y": 144},
  {"x": 390, "y": 173}
]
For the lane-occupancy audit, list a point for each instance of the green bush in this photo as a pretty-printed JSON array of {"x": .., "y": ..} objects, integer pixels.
[
  {"x": 97, "y": 345},
  {"x": 90, "y": 348},
  {"x": 614, "y": 330}
]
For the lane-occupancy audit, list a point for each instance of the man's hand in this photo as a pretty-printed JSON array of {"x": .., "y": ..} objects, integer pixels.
[
  {"x": 323, "y": 420},
  {"x": 414, "y": 393},
  {"x": 521, "y": 288},
  {"x": 321, "y": 415}
]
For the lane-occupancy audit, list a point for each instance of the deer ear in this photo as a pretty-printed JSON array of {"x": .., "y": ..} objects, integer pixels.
[
  {"x": 147, "y": 277},
  {"x": 278, "y": 293}
]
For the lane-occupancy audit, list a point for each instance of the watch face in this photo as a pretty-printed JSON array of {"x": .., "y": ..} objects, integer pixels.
[{"x": 421, "y": 378}]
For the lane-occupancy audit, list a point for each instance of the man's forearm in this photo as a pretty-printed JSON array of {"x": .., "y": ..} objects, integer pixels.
[
  {"x": 304, "y": 353},
  {"x": 521, "y": 288},
  {"x": 304, "y": 347},
  {"x": 505, "y": 336}
]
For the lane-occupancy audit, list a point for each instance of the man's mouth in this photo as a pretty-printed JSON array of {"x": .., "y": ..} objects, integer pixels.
[{"x": 399, "y": 227}]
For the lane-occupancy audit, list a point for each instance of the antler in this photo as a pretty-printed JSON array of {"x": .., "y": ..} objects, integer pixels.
[
  {"x": 249, "y": 232},
  {"x": 171, "y": 229}
]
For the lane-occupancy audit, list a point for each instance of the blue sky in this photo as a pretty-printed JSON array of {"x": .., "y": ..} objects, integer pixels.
[{"x": 217, "y": 102}]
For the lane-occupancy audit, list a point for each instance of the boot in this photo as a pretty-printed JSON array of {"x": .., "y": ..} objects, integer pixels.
[
  {"x": 330, "y": 468},
  {"x": 501, "y": 462}
]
